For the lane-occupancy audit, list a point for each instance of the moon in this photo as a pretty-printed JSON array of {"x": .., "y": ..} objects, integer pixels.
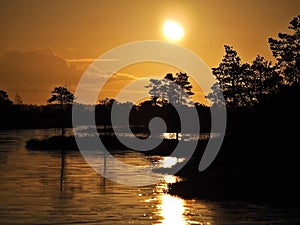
[{"x": 172, "y": 30}]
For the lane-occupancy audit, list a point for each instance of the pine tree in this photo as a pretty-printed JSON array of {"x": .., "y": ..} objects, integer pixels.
[
  {"x": 155, "y": 89},
  {"x": 62, "y": 96},
  {"x": 287, "y": 52},
  {"x": 172, "y": 89},
  {"x": 266, "y": 79},
  {"x": 182, "y": 79},
  {"x": 229, "y": 76}
]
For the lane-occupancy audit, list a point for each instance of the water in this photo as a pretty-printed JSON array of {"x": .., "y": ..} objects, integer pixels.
[{"x": 35, "y": 190}]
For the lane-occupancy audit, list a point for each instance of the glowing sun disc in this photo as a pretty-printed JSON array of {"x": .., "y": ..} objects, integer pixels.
[{"x": 172, "y": 30}]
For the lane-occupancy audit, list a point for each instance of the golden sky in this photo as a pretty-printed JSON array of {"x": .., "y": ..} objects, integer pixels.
[{"x": 51, "y": 42}]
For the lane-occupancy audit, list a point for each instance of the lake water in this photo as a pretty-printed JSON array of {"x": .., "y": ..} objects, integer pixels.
[{"x": 35, "y": 190}]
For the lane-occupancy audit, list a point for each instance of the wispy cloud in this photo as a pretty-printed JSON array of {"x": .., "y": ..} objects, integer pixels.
[
  {"x": 83, "y": 63},
  {"x": 124, "y": 76},
  {"x": 34, "y": 73},
  {"x": 89, "y": 60}
]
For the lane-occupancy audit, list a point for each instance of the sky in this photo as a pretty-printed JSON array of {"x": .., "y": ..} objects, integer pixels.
[{"x": 52, "y": 42}]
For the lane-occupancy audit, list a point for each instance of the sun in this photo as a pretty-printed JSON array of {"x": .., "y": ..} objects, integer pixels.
[{"x": 172, "y": 30}]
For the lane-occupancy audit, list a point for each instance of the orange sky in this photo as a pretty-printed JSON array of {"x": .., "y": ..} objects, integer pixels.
[{"x": 47, "y": 43}]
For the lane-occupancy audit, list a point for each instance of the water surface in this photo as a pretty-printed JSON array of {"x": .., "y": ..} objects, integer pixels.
[{"x": 34, "y": 189}]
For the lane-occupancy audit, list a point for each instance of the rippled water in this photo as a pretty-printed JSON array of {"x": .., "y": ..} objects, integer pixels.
[{"x": 34, "y": 189}]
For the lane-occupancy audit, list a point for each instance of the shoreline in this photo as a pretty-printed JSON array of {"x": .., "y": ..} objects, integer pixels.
[{"x": 235, "y": 174}]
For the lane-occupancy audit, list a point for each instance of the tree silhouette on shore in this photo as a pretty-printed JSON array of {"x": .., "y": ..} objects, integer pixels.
[
  {"x": 4, "y": 100},
  {"x": 172, "y": 89},
  {"x": 286, "y": 51},
  {"x": 245, "y": 85},
  {"x": 62, "y": 96}
]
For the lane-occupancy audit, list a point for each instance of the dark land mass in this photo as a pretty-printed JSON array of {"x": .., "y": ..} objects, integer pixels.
[{"x": 258, "y": 160}]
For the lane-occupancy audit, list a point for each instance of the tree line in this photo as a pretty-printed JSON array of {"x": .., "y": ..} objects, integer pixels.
[
  {"x": 243, "y": 85},
  {"x": 248, "y": 84}
]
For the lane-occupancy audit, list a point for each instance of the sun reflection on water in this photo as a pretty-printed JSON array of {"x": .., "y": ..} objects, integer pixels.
[
  {"x": 172, "y": 210},
  {"x": 165, "y": 161},
  {"x": 171, "y": 136}
]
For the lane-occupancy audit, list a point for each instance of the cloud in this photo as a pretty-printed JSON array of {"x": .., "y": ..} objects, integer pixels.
[
  {"x": 90, "y": 60},
  {"x": 111, "y": 88},
  {"x": 33, "y": 74},
  {"x": 83, "y": 63},
  {"x": 123, "y": 76}
]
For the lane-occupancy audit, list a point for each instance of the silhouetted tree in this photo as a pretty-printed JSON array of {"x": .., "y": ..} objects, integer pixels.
[
  {"x": 243, "y": 84},
  {"x": 247, "y": 88},
  {"x": 168, "y": 89},
  {"x": 228, "y": 73},
  {"x": 62, "y": 96},
  {"x": 155, "y": 90},
  {"x": 106, "y": 105},
  {"x": 266, "y": 80},
  {"x": 182, "y": 79},
  {"x": 215, "y": 96},
  {"x": 4, "y": 100},
  {"x": 172, "y": 89},
  {"x": 18, "y": 99},
  {"x": 287, "y": 52},
  {"x": 5, "y": 110}
]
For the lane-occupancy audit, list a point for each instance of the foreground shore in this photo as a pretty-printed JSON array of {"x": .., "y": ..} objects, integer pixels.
[{"x": 251, "y": 168}]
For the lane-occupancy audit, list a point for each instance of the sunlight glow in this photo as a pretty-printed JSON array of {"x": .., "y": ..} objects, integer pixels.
[
  {"x": 169, "y": 162},
  {"x": 172, "y": 210},
  {"x": 171, "y": 179},
  {"x": 173, "y": 31},
  {"x": 171, "y": 136}
]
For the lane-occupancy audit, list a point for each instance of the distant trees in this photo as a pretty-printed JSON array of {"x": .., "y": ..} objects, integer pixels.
[
  {"x": 18, "y": 99},
  {"x": 104, "y": 108},
  {"x": 5, "y": 108},
  {"x": 172, "y": 89},
  {"x": 62, "y": 96}
]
